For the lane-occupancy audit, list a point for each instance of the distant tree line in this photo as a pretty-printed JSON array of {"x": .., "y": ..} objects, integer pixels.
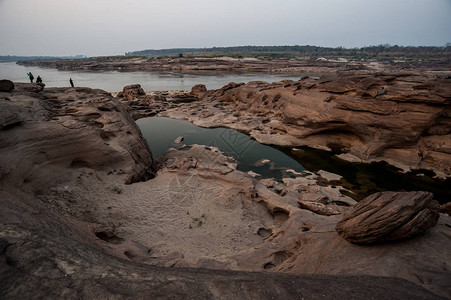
[
  {"x": 13, "y": 58},
  {"x": 307, "y": 51}
]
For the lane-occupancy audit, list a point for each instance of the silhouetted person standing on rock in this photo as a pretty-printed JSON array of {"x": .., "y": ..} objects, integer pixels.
[
  {"x": 71, "y": 82},
  {"x": 39, "y": 79},
  {"x": 30, "y": 76}
]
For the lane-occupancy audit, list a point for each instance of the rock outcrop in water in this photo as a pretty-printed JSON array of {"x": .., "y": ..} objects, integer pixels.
[
  {"x": 70, "y": 226},
  {"x": 389, "y": 216}
]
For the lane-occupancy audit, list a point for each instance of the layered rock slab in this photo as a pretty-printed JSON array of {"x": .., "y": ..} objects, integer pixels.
[{"x": 389, "y": 216}]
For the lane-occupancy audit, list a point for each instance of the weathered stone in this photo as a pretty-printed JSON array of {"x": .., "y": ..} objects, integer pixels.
[
  {"x": 178, "y": 140},
  {"x": 318, "y": 208},
  {"x": 199, "y": 90},
  {"x": 329, "y": 176},
  {"x": 446, "y": 208},
  {"x": 411, "y": 125},
  {"x": 280, "y": 189},
  {"x": 69, "y": 224},
  {"x": 314, "y": 197},
  {"x": 59, "y": 133},
  {"x": 6, "y": 85},
  {"x": 131, "y": 92},
  {"x": 389, "y": 216},
  {"x": 253, "y": 174},
  {"x": 268, "y": 182}
]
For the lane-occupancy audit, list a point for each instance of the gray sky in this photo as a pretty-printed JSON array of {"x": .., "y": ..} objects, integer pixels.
[{"x": 106, "y": 27}]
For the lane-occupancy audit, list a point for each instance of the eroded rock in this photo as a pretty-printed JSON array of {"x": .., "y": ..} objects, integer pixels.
[
  {"x": 52, "y": 244},
  {"x": 389, "y": 216},
  {"x": 6, "y": 85},
  {"x": 199, "y": 90},
  {"x": 318, "y": 208},
  {"x": 446, "y": 208},
  {"x": 178, "y": 140},
  {"x": 131, "y": 92},
  {"x": 50, "y": 133},
  {"x": 409, "y": 125}
]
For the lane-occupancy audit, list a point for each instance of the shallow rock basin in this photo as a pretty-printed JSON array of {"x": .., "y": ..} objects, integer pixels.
[
  {"x": 281, "y": 162},
  {"x": 250, "y": 155}
]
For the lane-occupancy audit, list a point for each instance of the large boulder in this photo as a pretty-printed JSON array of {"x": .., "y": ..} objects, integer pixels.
[
  {"x": 6, "y": 85},
  {"x": 131, "y": 92},
  {"x": 199, "y": 90},
  {"x": 389, "y": 216}
]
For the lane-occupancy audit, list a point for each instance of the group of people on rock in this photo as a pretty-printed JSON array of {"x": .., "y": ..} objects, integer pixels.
[{"x": 39, "y": 79}]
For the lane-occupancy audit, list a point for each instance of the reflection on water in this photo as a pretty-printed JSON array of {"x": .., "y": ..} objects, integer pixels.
[
  {"x": 366, "y": 179},
  {"x": 113, "y": 81},
  {"x": 250, "y": 155},
  {"x": 361, "y": 179}
]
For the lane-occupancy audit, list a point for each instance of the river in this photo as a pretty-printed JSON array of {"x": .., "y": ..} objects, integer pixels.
[{"x": 114, "y": 81}]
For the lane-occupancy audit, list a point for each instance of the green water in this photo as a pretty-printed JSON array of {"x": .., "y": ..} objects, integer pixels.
[
  {"x": 361, "y": 179},
  {"x": 160, "y": 133}
]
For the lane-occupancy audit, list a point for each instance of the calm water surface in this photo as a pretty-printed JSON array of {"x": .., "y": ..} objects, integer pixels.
[
  {"x": 160, "y": 133},
  {"x": 113, "y": 81}
]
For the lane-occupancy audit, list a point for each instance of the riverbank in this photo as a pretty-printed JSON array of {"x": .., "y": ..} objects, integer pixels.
[
  {"x": 205, "y": 65},
  {"x": 85, "y": 201}
]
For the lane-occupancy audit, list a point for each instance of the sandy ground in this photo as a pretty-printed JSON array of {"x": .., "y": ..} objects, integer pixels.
[{"x": 178, "y": 218}]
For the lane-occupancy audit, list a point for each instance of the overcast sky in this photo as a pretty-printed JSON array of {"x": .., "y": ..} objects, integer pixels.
[{"x": 106, "y": 27}]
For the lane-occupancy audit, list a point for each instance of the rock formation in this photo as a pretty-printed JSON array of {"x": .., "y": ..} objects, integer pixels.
[
  {"x": 389, "y": 216},
  {"x": 195, "y": 65},
  {"x": 425, "y": 62},
  {"x": 198, "y": 91},
  {"x": 6, "y": 85},
  {"x": 76, "y": 221},
  {"x": 46, "y": 133},
  {"x": 131, "y": 92},
  {"x": 409, "y": 126}
]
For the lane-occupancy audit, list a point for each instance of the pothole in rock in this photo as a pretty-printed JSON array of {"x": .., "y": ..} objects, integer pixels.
[
  {"x": 109, "y": 237},
  {"x": 264, "y": 232},
  {"x": 280, "y": 216},
  {"x": 277, "y": 259}
]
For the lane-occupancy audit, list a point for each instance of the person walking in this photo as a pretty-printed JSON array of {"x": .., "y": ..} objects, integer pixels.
[
  {"x": 71, "y": 82},
  {"x": 30, "y": 76}
]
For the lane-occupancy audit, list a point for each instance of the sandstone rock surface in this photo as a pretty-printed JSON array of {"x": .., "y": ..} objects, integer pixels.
[
  {"x": 199, "y": 90},
  {"x": 47, "y": 133},
  {"x": 318, "y": 208},
  {"x": 409, "y": 127},
  {"x": 389, "y": 216},
  {"x": 131, "y": 92},
  {"x": 70, "y": 226}
]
